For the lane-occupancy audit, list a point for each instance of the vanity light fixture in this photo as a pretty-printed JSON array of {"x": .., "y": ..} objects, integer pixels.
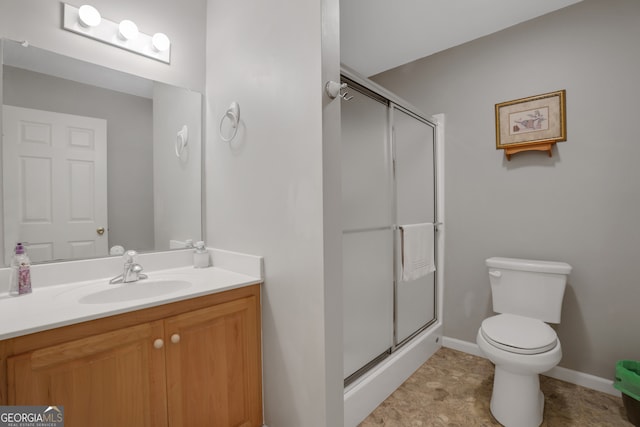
[
  {"x": 160, "y": 42},
  {"x": 127, "y": 30},
  {"x": 88, "y": 16},
  {"x": 86, "y": 21}
]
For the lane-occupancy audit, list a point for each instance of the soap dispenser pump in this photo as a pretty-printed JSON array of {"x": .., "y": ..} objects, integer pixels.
[{"x": 200, "y": 255}]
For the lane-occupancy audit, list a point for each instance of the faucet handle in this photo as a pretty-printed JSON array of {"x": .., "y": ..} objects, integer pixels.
[{"x": 129, "y": 256}]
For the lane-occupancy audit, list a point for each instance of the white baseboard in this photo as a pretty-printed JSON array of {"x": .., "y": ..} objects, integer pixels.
[
  {"x": 463, "y": 346},
  {"x": 585, "y": 380},
  {"x": 574, "y": 377},
  {"x": 363, "y": 396}
]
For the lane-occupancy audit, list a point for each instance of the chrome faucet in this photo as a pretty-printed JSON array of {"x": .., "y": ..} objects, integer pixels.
[{"x": 132, "y": 271}]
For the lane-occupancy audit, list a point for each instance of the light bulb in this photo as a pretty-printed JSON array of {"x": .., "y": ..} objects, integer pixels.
[
  {"x": 160, "y": 42},
  {"x": 89, "y": 16},
  {"x": 127, "y": 30}
]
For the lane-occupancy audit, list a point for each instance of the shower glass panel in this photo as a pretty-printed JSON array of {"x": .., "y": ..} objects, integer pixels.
[
  {"x": 367, "y": 231},
  {"x": 368, "y": 297},
  {"x": 413, "y": 144},
  {"x": 366, "y": 165}
]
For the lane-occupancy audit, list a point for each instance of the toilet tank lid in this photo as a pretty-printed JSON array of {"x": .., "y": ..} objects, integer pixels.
[{"x": 529, "y": 265}]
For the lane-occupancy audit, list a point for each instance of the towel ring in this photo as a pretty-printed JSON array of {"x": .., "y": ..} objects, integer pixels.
[
  {"x": 233, "y": 114},
  {"x": 182, "y": 138}
]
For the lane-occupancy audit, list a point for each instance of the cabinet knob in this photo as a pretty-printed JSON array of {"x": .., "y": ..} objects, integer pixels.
[
  {"x": 175, "y": 338},
  {"x": 158, "y": 343}
]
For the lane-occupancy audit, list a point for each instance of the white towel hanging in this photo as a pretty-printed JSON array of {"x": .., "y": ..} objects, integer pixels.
[{"x": 417, "y": 243}]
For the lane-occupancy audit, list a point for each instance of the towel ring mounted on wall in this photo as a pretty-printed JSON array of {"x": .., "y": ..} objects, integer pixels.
[
  {"x": 233, "y": 114},
  {"x": 182, "y": 138}
]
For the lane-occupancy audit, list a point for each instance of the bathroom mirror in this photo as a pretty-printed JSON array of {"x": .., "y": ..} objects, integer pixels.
[{"x": 95, "y": 159}]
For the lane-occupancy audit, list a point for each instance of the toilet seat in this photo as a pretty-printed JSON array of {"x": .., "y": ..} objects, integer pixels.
[{"x": 519, "y": 334}]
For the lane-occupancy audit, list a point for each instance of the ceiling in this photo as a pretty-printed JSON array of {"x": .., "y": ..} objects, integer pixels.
[{"x": 377, "y": 35}]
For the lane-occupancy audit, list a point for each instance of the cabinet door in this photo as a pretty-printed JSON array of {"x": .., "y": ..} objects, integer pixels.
[
  {"x": 111, "y": 379},
  {"x": 213, "y": 366}
]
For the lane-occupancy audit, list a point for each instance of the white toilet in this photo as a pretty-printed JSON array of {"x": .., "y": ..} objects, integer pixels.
[{"x": 527, "y": 293}]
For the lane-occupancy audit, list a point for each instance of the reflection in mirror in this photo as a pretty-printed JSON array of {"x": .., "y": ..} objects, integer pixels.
[{"x": 94, "y": 159}]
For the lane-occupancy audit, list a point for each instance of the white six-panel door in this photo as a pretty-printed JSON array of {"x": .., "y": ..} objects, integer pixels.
[{"x": 54, "y": 183}]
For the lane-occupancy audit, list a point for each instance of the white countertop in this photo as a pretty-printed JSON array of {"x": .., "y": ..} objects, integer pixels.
[{"x": 50, "y": 307}]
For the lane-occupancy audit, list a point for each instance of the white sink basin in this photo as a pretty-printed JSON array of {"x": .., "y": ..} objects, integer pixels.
[{"x": 133, "y": 291}]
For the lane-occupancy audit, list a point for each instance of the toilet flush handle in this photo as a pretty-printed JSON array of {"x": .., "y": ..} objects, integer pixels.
[{"x": 495, "y": 273}]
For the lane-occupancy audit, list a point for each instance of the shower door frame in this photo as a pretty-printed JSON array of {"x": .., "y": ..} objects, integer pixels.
[
  {"x": 367, "y": 87},
  {"x": 396, "y": 267}
]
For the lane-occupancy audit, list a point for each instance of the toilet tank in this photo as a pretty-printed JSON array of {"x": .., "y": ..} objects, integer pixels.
[{"x": 528, "y": 287}]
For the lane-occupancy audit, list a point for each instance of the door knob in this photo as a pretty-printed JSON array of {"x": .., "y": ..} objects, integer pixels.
[
  {"x": 175, "y": 338},
  {"x": 158, "y": 343},
  {"x": 100, "y": 231}
]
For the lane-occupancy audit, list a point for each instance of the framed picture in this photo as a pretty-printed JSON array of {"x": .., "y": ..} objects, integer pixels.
[{"x": 533, "y": 123}]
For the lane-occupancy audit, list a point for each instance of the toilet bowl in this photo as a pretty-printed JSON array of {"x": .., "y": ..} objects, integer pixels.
[
  {"x": 520, "y": 348},
  {"x": 526, "y": 294}
]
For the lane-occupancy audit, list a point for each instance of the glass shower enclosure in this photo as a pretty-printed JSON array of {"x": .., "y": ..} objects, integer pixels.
[{"x": 388, "y": 180}]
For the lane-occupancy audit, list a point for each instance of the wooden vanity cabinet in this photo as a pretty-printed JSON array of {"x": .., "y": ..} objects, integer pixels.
[
  {"x": 190, "y": 363},
  {"x": 213, "y": 369},
  {"x": 114, "y": 379}
]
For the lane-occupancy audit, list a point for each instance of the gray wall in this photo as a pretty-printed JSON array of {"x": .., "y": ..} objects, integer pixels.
[
  {"x": 129, "y": 145},
  {"x": 581, "y": 206},
  {"x": 274, "y": 191}
]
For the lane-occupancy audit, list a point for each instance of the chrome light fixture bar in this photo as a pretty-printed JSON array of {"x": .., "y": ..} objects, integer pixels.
[{"x": 86, "y": 21}]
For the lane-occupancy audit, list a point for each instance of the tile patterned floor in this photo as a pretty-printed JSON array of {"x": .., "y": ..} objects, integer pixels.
[{"x": 453, "y": 389}]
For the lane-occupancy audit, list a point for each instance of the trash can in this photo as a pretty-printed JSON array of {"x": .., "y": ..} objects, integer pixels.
[{"x": 628, "y": 382}]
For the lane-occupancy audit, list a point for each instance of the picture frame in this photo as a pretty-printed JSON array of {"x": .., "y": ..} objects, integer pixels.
[{"x": 532, "y": 123}]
